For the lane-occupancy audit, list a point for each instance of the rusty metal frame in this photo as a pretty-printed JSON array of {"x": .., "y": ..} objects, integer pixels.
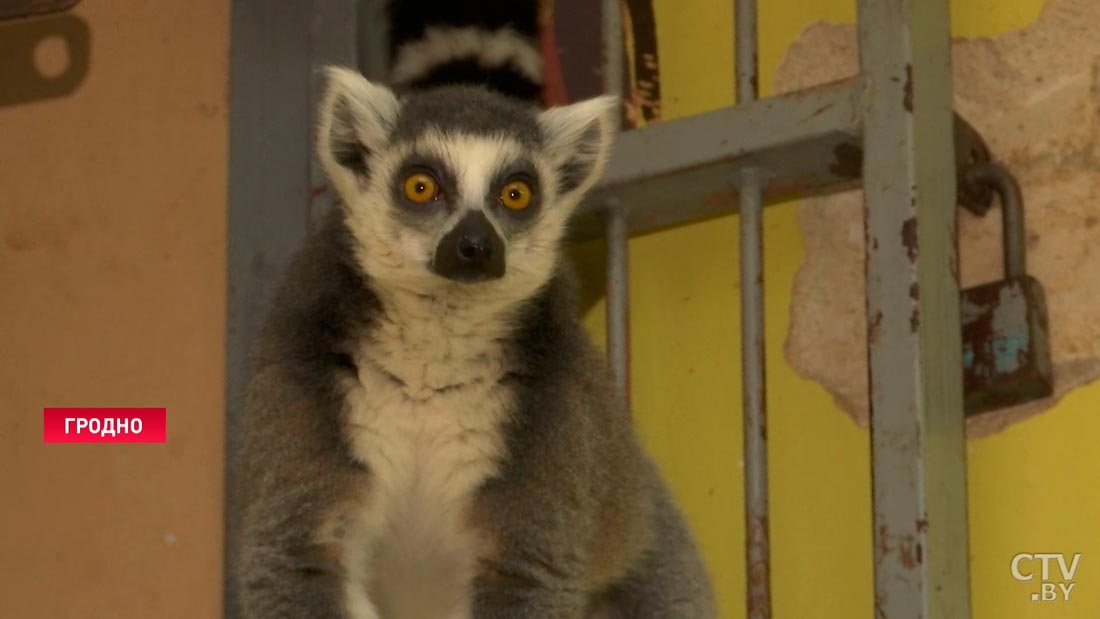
[
  {"x": 750, "y": 187},
  {"x": 914, "y": 343},
  {"x": 273, "y": 181},
  {"x": 613, "y": 219},
  {"x": 891, "y": 128},
  {"x": 684, "y": 170}
]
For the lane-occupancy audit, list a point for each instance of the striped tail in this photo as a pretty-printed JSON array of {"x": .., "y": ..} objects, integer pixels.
[{"x": 492, "y": 43}]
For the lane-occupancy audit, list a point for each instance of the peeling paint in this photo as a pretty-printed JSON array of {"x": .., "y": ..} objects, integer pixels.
[
  {"x": 909, "y": 238},
  {"x": 884, "y": 541},
  {"x": 758, "y": 570},
  {"x": 848, "y": 162},
  {"x": 875, "y": 329},
  {"x": 909, "y": 553},
  {"x": 907, "y": 102}
]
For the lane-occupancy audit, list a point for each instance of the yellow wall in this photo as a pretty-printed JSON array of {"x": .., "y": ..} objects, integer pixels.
[{"x": 1033, "y": 488}]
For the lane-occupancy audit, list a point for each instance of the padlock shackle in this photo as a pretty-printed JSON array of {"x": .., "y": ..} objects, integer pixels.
[{"x": 1007, "y": 189}]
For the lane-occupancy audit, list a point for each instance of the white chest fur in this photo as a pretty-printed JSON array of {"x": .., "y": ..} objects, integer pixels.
[{"x": 425, "y": 418}]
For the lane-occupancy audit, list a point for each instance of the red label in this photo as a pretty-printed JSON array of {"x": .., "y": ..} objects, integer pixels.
[{"x": 105, "y": 425}]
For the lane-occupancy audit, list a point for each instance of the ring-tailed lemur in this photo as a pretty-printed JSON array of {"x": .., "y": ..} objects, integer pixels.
[{"x": 429, "y": 433}]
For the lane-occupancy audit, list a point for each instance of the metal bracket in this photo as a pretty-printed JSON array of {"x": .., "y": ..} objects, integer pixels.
[
  {"x": 678, "y": 172},
  {"x": 23, "y": 82},
  {"x": 810, "y": 143},
  {"x": 12, "y": 9}
]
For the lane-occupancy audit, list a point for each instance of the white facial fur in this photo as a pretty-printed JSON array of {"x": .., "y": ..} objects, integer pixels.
[{"x": 396, "y": 255}]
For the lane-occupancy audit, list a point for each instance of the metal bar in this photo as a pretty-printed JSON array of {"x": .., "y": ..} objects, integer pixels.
[
  {"x": 612, "y": 47},
  {"x": 753, "y": 380},
  {"x": 618, "y": 302},
  {"x": 917, "y": 438},
  {"x": 745, "y": 57},
  {"x": 753, "y": 398},
  {"x": 374, "y": 44},
  {"x": 333, "y": 40},
  {"x": 268, "y": 193},
  {"x": 616, "y": 232},
  {"x": 684, "y": 170},
  {"x": 274, "y": 53}
]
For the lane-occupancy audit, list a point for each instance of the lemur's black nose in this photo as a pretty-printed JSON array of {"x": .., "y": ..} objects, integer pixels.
[
  {"x": 472, "y": 251},
  {"x": 473, "y": 248}
]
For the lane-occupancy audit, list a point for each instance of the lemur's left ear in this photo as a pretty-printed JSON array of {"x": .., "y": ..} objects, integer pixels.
[
  {"x": 354, "y": 121},
  {"x": 578, "y": 140}
]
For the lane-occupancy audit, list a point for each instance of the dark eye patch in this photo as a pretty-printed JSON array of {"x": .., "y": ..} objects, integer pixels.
[
  {"x": 522, "y": 170},
  {"x": 448, "y": 188}
]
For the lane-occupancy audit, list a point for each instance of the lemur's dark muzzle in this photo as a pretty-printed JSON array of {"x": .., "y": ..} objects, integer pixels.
[{"x": 471, "y": 252}]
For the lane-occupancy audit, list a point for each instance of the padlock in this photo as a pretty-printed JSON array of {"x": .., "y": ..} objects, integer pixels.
[{"x": 1006, "y": 347}]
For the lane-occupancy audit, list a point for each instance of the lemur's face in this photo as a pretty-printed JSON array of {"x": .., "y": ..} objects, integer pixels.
[{"x": 458, "y": 189}]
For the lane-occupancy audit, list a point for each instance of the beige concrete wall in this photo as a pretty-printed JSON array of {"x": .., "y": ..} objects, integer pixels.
[{"x": 112, "y": 293}]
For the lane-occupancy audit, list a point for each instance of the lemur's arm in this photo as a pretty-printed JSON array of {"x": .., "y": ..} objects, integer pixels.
[
  {"x": 287, "y": 569},
  {"x": 570, "y": 511}
]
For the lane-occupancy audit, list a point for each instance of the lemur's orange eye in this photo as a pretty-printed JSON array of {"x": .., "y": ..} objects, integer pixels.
[
  {"x": 515, "y": 195},
  {"x": 420, "y": 187}
]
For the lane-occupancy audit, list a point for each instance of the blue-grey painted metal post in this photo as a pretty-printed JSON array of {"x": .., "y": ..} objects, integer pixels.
[
  {"x": 373, "y": 40},
  {"x": 754, "y": 406},
  {"x": 272, "y": 184},
  {"x": 618, "y": 301},
  {"x": 753, "y": 386},
  {"x": 913, "y": 329},
  {"x": 616, "y": 229}
]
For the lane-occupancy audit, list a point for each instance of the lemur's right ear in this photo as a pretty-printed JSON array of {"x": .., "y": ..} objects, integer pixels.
[
  {"x": 353, "y": 122},
  {"x": 578, "y": 139}
]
